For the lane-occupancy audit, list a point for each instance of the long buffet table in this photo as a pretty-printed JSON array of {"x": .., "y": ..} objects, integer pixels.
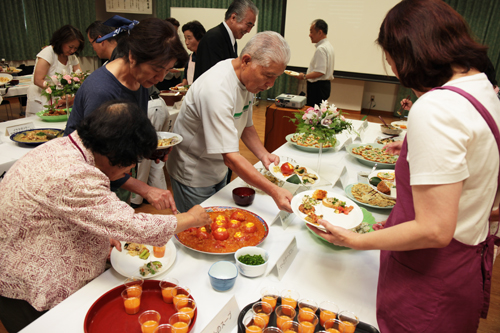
[{"x": 320, "y": 271}]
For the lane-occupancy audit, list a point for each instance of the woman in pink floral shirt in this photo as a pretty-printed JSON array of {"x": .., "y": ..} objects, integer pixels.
[{"x": 58, "y": 213}]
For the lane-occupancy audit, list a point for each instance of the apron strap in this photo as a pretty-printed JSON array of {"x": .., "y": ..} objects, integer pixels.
[{"x": 491, "y": 240}]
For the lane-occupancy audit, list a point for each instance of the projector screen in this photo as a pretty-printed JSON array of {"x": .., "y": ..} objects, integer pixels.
[{"x": 353, "y": 27}]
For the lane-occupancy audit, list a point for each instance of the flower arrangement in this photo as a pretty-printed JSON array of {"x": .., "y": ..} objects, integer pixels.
[
  {"x": 59, "y": 85},
  {"x": 322, "y": 121}
]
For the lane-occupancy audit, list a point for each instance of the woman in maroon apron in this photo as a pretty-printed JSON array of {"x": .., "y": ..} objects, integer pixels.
[{"x": 437, "y": 253}]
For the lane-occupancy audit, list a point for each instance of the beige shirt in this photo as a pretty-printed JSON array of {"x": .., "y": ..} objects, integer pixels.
[{"x": 323, "y": 61}]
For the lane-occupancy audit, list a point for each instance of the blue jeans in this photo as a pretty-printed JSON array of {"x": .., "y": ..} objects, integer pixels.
[{"x": 186, "y": 196}]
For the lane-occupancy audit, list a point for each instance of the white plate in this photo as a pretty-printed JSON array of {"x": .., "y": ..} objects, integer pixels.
[
  {"x": 395, "y": 138},
  {"x": 375, "y": 174},
  {"x": 7, "y": 76},
  {"x": 128, "y": 266},
  {"x": 352, "y": 220},
  {"x": 400, "y": 123},
  {"x": 292, "y": 73},
  {"x": 280, "y": 176},
  {"x": 167, "y": 135}
]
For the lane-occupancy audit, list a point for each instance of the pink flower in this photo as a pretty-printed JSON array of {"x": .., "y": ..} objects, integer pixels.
[
  {"x": 67, "y": 78},
  {"x": 342, "y": 118},
  {"x": 76, "y": 79},
  {"x": 312, "y": 128},
  {"x": 48, "y": 91}
]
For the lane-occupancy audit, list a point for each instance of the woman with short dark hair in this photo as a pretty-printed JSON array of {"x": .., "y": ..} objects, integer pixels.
[
  {"x": 59, "y": 57},
  {"x": 58, "y": 214},
  {"x": 149, "y": 49},
  {"x": 193, "y": 33},
  {"x": 437, "y": 250}
]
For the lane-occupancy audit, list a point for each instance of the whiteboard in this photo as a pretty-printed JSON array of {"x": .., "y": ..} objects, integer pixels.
[
  {"x": 353, "y": 27},
  {"x": 209, "y": 17}
]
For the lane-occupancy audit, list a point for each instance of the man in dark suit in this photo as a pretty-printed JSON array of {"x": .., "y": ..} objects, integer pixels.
[{"x": 219, "y": 43}]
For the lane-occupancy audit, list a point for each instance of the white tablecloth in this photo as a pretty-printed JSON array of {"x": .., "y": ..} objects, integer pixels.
[
  {"x": 19, "y": 89},
  {"x": 319, "y": 272}
]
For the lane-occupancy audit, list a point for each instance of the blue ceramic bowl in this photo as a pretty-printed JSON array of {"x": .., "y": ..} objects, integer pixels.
[{"x": 223, "y": 275}]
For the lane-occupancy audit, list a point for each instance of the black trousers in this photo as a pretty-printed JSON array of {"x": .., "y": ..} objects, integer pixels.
[
  {"x": 16, "y": 314},
  {"x": 318, "y": 91}
]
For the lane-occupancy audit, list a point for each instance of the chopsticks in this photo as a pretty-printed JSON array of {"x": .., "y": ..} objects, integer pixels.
[{"x": 402, "y": 105}]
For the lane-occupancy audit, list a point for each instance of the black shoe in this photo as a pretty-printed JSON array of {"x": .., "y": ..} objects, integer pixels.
[
  {"x": 22, "y": 114},
  {"x": 134, "y": 206}
]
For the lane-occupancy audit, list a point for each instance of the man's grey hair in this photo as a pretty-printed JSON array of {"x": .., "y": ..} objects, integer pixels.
[
  {"x": 267, "y": 47},
  {"x": 240, "y": 7}
]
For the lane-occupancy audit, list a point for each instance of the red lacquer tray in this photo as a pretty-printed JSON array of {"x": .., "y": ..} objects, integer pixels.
[{"x": 107, "y": 314}]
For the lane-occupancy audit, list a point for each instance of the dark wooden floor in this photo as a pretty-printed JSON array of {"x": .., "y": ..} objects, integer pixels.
[{"x": 490, "y": 325}]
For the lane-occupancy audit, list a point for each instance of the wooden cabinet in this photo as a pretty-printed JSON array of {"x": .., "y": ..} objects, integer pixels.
[{"x": 278, "y": 126}]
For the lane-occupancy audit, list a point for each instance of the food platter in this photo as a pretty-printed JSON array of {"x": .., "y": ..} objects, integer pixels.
[
  {"x": 282, "y": 177},
  {"x": 169, "y": 135},
  {"x": 59, "y": 118},
  {"x": 388, "y": 138},
  {"x": 350, "y": 196},
  {"x": 13, "y": 70},
  {"x": 361, "y": 160},
  {"x": 305, "y": 148},
  {"x": 127, "y": 265},
  {"x": 292, "y": 73},
  {"x": 353, "y": 219},
  {"x": 222, "y": 209},
  {"x": 107, "y": 314},
  {"x": 401, "y": 124},
  {"x": 375, "y": 174},
  {"x": 14, "y": 137},
  {"x": 5, "y": 78},
  {"x": 181, "y": 89}
]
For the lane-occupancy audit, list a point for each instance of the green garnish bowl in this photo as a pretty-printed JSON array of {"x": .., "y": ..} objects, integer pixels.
[{"x": 251, "y": 270}]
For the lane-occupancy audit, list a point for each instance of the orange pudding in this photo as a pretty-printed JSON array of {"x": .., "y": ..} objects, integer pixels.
[
  {"x": 132, "y": 305},
  {"x": 149, "y": 326},
  {"x": 168, "y": 294},
  {"x": 271, "y": 300},
  {"x": 306, "y": 327},
  {"x": 289, "y": 301},
  {"x": 180, "y": 327},
  {"x": 325, "y": 315}
]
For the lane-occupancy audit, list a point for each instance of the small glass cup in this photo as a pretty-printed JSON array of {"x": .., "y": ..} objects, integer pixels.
[
  {"x": 289, "y": 297},
  {"x": 334, "y": 326},
  {"x": 307, "y": 309},
  {"x": 271, "y": 329},
  {"x": 149, "y": 321},
  {"x": 309, "y": 325},
  {"x": 269, "y": 295},
  {"x": 180, "y": 322},
  {"x": 350, "y": 321},
  {"x": 188, "y": 308},
  {"x": 262, "y": 309},
  {"x": 253, "y": 323},
  {"x": 167, "y": 286},
  {"x": 159, "y": 251},
  {"x": 132, "y": 299},
  {"x": 284, "y": 313},
  {"x": 135, "y": 281},
  {"x": 290, "y": 327},
  {"x": 181, "y": 296},
  {"x": 328, "y": 310},
  {"x": 164, "y": 328}
]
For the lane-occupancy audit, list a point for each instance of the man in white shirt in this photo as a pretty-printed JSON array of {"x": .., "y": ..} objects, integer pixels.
[
  {"x": 320, "y": 71},
  {"x": 215, "y": 114}
]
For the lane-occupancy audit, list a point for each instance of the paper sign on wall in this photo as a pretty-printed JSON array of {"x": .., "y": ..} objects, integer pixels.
[
  {"x": 286, "y": 259},
  {"x": 19, "y": 128},
  {"x": 225, "y": 320},
  {"x": 130, "y": 6}
]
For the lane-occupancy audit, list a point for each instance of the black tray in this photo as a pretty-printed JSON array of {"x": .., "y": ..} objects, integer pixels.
[{"x": 360, "y": 328}]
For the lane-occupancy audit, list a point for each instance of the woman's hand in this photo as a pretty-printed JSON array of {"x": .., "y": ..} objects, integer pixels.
[
  {"x": 195, "y": 217},
  {"x": 406, "y": 104},
  {"x": 335, "y": 235},
  {"x": 394, "y": 148},
  {"x": 114, "y": 243},
  {"x": 160, "y": 199},
  {"x": 62, "y": 102}
]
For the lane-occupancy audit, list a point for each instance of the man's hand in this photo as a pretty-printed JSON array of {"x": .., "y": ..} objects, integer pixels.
[
  {"x": 282, "y": 198},
  {"x": 161, "y": 199},
  {"x": 270, "y": 158}
]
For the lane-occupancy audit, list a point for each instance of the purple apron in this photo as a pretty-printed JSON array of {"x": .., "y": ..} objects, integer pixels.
[{"x": 434, "y": 290}]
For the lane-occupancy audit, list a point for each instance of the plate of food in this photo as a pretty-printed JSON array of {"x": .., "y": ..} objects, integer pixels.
[
  {"x": 292, "y": 73},
  {"x": 182, "y": 89},
  {"x": 269, "y": 176},
  {"x": 107, "y": 314},
  {"x": 401, "y": 124},
  {"x": 231, "y": 229},
  {"x": 139, "y": 260},
  {"x": 371, "y": 153},
  {"x": 383, "y": 140},
  {"x": 365, "y": 195},
  {"x": 384, "y": 182},
  {"x": 5, "y": 78},
  {"x": 53, "y": 115},
  {"x": 338, "y": 210},
  {"x": 294, "y": 173},
  {"x": 168, "y": 139},
  {"x": 37, "y": 136},
  {"x": 13, "y": 70},
  {"x": 307, "y": 143}
]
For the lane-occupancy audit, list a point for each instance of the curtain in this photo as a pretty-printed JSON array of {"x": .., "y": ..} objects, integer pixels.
[
  {"x": 483, "y": 18},
  {"x": 270, "y": 18},
  {"x": 27, "y": 25}
]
